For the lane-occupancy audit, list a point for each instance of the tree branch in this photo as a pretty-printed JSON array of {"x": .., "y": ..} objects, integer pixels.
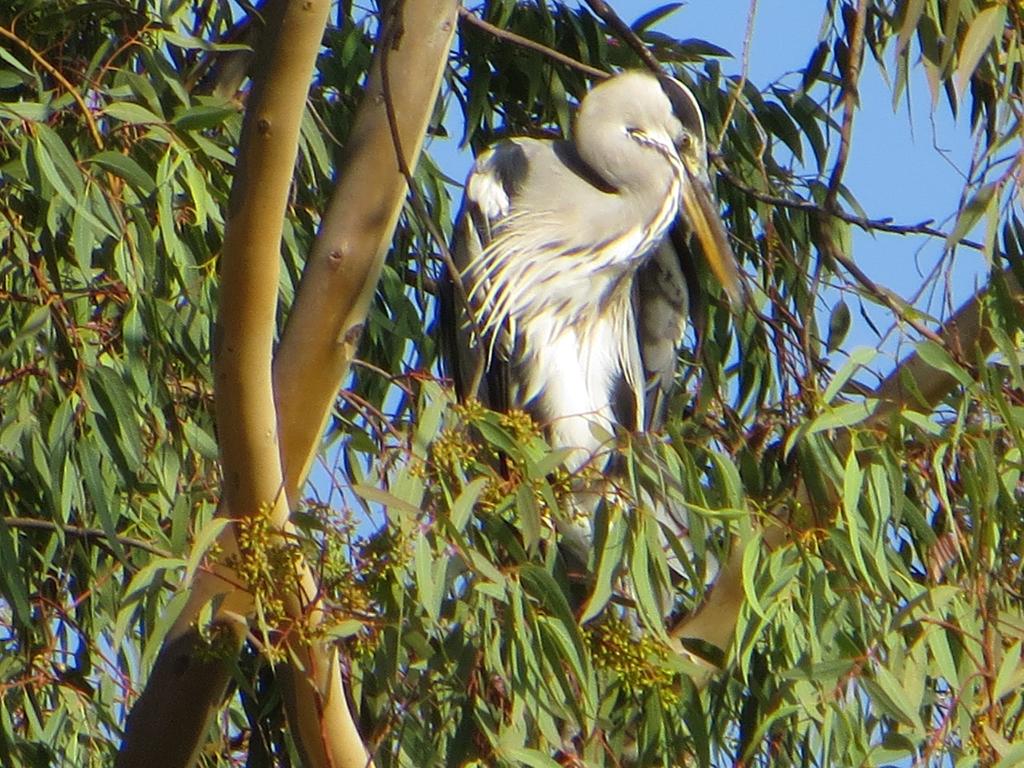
[
  {"x": 851, "y": 76},
  {"x": 880, "y": 225},
  {"x": 338, "y": 284},
  {"x": 339, "y": 281},
  {"x": 55, "y": 73},
  {"x": 168, "y": 724},
  {"x": 715, "y": 621},
  {"x": 625, "y": 33},
  {"x": 90, "y": 534},
  {"x": 468, "y": 17}
]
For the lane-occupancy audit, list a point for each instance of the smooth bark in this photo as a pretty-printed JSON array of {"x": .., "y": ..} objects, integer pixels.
[
  {"x": 183, "y": 692},
  {"x": 264, "y": 469},
  {"x": 334, "y": 296}
]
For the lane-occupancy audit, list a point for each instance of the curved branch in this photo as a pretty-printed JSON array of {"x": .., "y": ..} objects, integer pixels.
[
  {"x": 340, "y": 278},
  {"x": 55, "y": 73},
  {"x": 89, "y": 534},
  {"x": 469, "y": 17},
  {"x": 625, "y": 33},
  {"x": 851, "y": 76},
  {"x": 325, "y": 323},
  {"x": 168, "y": 724}
]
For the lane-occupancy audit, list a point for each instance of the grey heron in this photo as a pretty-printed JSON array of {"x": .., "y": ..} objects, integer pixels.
[{"x": 577, "y": 291}]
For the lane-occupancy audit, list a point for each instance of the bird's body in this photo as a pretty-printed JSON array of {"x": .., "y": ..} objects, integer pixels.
[
  {"x": 577, "y": 300},
  {"x": 570, "y": 340}
]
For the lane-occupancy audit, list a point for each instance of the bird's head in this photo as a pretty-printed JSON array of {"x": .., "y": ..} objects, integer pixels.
[
  {"x": 626, "y": 130},
  {"x": 639, "y": 131}
]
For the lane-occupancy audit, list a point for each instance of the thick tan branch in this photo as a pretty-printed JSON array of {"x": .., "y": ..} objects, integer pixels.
[
  {"x": 168, "y": 724},
  {"x": 965, "y": 335},
  {"x": 341, "y": 276},
  {"x": 334, "y": 296}
]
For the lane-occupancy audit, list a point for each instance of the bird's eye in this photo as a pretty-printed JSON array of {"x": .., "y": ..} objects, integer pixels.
[{"x": 686, "y": 142}]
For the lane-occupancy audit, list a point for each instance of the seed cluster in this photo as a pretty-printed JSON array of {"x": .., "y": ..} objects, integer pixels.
[
  {"x": 266, "y": 560},
  {"x": 639, "y": 661}
]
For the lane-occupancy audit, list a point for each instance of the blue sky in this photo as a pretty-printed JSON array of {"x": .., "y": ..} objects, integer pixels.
[{"x": 908, "y": 164}]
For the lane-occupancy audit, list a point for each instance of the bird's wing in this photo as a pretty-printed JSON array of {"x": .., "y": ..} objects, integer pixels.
[
  {"x": 663, "y": 297},
  {"x": 660, "y": 303},
  {"x": 488, "y": 198}
]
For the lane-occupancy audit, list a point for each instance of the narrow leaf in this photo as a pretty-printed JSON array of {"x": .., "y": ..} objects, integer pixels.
[{"x": 983, "y": 30}]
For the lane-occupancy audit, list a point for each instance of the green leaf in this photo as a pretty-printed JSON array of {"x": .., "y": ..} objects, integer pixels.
[
  {"x": 528, "y": 514},
  {"x": 462, "y": 507},
  {"x": 778, "y": 121},
  {"x": 36, "y": 321},
  {"x": 750, "y": 563},
  {"x": 541, "y": 585},
  {"x": 200, "y": 440},
  {"x": 16, "y": 593},
  {"x": 61, "y": 164},
  {"x": 853, "y": 481},
  {"x": 838, "y": 325},
  {"x": 972, "y": 213},
  {"x": 127, "y": 168},
  {"x": 859, "y": 358},
  {"x": 430, "y": 592},
  {"x": 61, "y": 184},
  {"x": 652, "y": 17},
  {"x": 912, "y": 10},
  {"x": 26, "y": 110},
  {"x": 202, "y": 117},
  {"x": 129, "y": 112},
  {"x": 938, "y": 358},
  {"x": 837, "y": 417},
  {"x": 887, "y": 692},
  {"x": 1012, "y": 758},
  {"x": 645, "y": 589},
  {"x": 611, "y": 547},
  {"x": 1011, "y": 672},
  {"x": 388, "y": 500},
  {"x": 204, "y": 539},
  {"x": 100, "y": 493},
  {"x": 529, "y": 757},
  {"x": 985, "y": 29}
]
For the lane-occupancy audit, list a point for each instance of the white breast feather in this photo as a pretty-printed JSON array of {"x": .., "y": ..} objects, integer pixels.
[{"x": 572, "y": 374}]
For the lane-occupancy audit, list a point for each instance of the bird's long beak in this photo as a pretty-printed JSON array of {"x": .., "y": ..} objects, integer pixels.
[{"x": 702, "y": 216}]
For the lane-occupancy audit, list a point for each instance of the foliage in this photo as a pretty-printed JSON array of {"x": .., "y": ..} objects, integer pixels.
[{"x": 887, "y": 628}]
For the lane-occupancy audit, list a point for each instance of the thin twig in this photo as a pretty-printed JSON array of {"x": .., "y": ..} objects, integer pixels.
[
  {"x": 83, "y": 533},
  {"x": 625, "y": 33},
  {"x": 850, "y": 101},
  {"x": 879, "y": 225},
  {"x": 737, "y": 93},
  {"x": 55, "y": 73},
  {"x": 524, "y": 42},
  {"x": 826, "y": 242}
]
